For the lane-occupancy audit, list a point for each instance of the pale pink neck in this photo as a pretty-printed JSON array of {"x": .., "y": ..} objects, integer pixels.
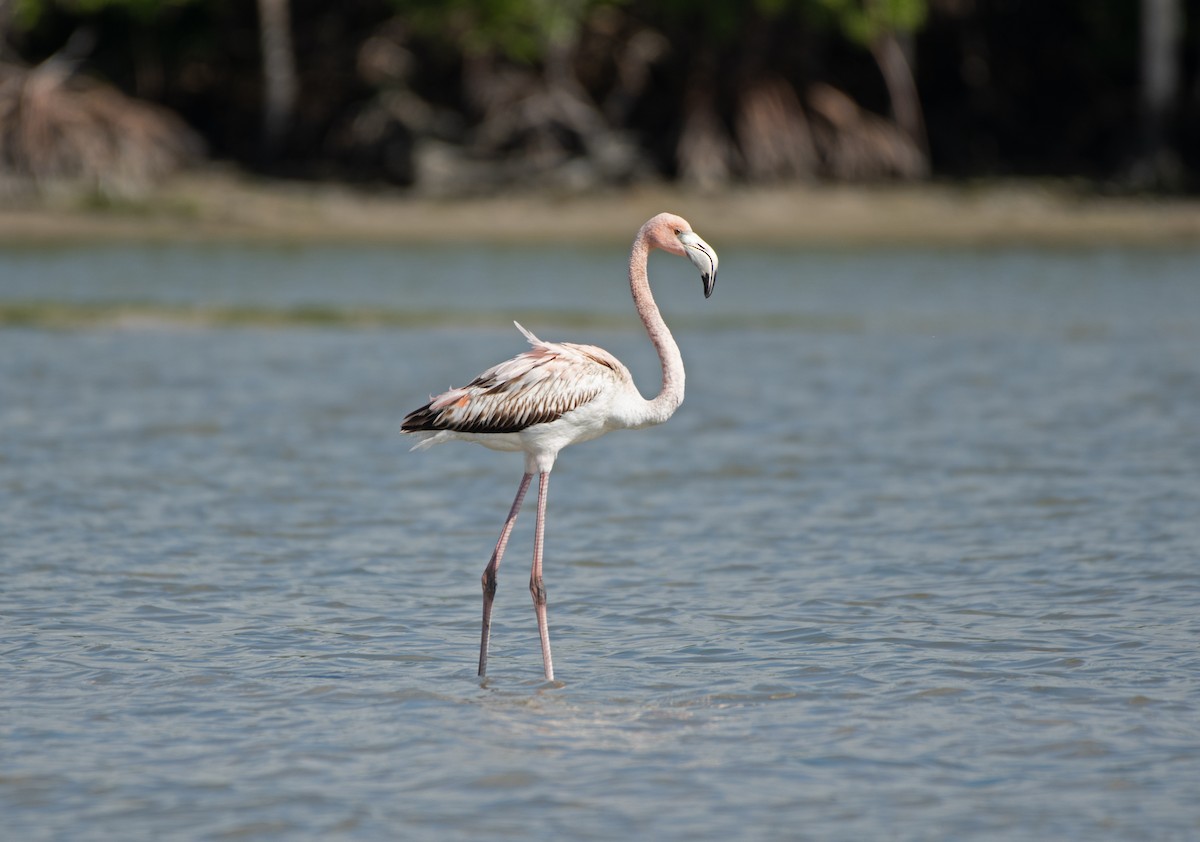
[{"x": 671, "y": 395}]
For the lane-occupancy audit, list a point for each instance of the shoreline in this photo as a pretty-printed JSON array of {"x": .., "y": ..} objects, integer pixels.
[{"x": 219, "y": 207}]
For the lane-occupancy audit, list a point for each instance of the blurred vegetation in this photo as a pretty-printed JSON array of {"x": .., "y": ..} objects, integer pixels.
[{"x": 470, "y": 96}]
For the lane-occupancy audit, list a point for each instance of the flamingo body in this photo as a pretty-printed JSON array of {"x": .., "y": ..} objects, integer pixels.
[
  {"x": 560, "y": 393},
  {"x": 551, "y": 396}
]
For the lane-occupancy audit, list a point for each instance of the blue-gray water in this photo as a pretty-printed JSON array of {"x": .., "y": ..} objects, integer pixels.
[{"x": 918, "y": 558}]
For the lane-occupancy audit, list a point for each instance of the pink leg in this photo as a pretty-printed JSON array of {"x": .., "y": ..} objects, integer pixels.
[
  {"x": 535, "y": 577},
  {"x": 489, "y": 572}
]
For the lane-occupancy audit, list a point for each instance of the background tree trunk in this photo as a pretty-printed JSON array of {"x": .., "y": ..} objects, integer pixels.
[
  {"x": 704, "y": 154},
  {"x": 896, "y": 68},
  {"x": 1161, "y": 54},
  {"x": 773, "y": 132},
  {"x": 280, "y": 84}
]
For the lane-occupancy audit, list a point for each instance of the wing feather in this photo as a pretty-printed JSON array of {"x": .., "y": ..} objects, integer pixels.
[{"x": 535, "y": 387}]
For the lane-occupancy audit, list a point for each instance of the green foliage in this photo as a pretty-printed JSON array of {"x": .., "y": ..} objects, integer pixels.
[
  {"x": 863, "y": 21},
  {"x": 523, "y": 30},
  {"x": 27, "y": 13}
]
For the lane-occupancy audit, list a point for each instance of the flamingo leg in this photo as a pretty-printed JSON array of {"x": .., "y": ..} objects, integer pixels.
[
  {"x": 489, "y": 572},
  {"x": 536, "y": 588}
]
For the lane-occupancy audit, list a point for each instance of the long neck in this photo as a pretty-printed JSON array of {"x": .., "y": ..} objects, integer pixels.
[{"x": 671, "y": 395}]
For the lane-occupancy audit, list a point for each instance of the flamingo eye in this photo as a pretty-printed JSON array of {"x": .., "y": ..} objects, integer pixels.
[{"x": 678, "y": 231}]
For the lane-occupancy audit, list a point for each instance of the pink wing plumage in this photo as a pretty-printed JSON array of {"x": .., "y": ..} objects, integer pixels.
[{"x": 534, "y": 387}]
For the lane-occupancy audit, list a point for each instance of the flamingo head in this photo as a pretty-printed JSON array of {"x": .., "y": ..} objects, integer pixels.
[{"x": 673, "y": 234}]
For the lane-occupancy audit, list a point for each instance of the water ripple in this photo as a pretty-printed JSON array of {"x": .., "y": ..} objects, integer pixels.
[{"x": 917, "y": 560}]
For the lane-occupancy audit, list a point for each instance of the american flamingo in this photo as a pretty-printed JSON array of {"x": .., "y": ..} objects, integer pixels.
[{"x": 558, "y": 394}]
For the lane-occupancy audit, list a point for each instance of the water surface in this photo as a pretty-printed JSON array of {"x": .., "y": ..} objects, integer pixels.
[{"x": 919, "y": 557}]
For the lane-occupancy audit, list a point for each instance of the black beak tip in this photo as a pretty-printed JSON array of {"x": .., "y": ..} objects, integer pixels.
[{"x": 709, "y": 282}]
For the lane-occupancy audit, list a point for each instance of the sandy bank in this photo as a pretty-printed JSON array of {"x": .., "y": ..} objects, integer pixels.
[{"x": 222, "y": 207}]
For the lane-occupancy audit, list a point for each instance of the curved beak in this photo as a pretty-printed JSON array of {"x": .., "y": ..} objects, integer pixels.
[{"x": 703, "y": 258}]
